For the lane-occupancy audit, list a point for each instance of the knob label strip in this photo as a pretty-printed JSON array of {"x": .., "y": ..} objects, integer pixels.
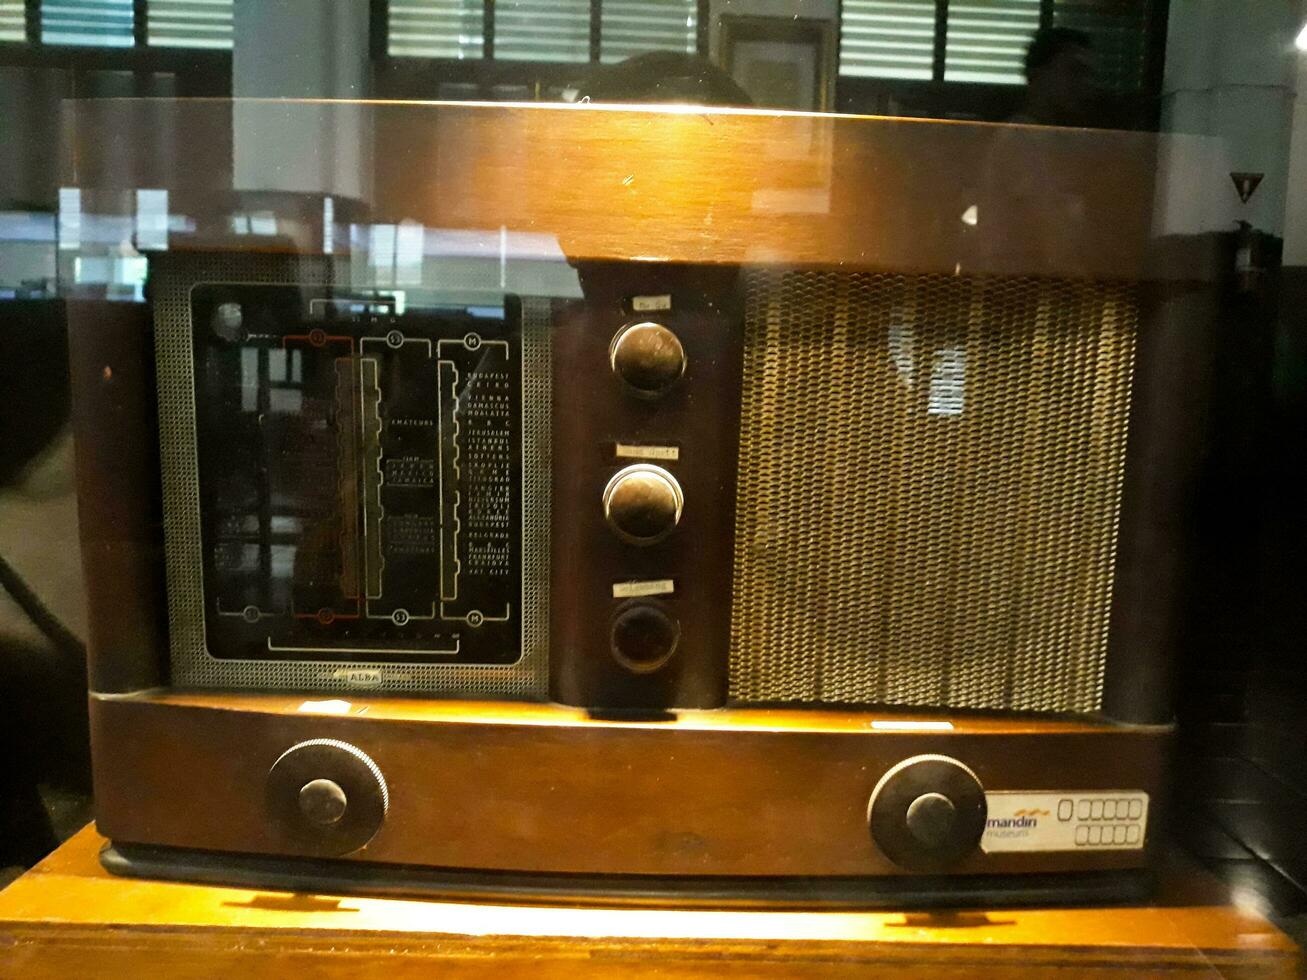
[
  {"x": 629, "y": 590},
  {"x": 1072, "y": 820},
  {"x": 627, "y": 451},
  {"x": 651, "y": 304}
]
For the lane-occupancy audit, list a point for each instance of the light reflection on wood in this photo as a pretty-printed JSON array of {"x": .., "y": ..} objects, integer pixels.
[{"x": 692, "y": 184}]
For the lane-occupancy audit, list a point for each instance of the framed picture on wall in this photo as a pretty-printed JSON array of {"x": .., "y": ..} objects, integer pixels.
[{"x": 782, "y": 63}]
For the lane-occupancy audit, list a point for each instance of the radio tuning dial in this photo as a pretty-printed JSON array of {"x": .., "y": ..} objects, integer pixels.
[
  {"x": 648, "y": 357},
  {"x": 642, "y": 503}
]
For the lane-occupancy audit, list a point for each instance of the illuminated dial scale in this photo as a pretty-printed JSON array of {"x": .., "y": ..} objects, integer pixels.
[{"x": 347, "y": 514}]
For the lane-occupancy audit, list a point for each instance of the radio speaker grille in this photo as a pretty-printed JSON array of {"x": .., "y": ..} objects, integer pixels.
[{"x": 929, "y": 486}]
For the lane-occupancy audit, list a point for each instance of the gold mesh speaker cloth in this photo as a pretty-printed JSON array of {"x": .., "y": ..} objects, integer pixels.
[{"x": 929, "y": 486}]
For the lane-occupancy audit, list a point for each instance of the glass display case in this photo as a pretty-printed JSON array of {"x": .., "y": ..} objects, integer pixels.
[{"x": 610, "y": 473}]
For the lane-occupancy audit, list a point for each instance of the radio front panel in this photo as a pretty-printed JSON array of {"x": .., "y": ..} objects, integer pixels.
[{"x": 759, "y": 486}]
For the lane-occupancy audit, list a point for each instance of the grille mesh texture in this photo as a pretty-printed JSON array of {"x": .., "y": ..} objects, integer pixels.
[{"x": 929, "y": 487}]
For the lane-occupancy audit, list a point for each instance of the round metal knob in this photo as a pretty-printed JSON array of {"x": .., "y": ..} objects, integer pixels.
[
  {"x": 325, "y": 798},
  {"x": 648, "y": 357},
  {"x": 322, "y": 801},
  {"x": 643, "y": 637},
  {"x": 642, "y": 503},
  {"x": 927, "y": 813}
]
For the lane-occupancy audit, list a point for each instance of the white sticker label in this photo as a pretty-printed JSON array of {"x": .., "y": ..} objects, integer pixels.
[
  {"x": 628, "y": 590},
  {"x": 1074, "y": 820},
  {"x": 648, "y": 304},
  {"x": 909, "y": 725},
  {"x": 334, "y": 706},
  {"x": 627, "y": 451}
]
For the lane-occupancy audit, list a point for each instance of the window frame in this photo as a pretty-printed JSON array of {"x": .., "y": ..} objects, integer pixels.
[
  {"x": 939, "y": 51},
  {"x": 207, "y": 71},
  {"x": 380, "y": 37},
  {"x": 199, "y": 71}
]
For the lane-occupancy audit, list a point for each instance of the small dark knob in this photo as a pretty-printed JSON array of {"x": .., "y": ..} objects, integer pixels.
[
  {"x": 644, "y": 637},
  {"x": 227, "y": 322},
  {"x": 322, "y": 801},
  {"x": 648, "y": 357},
  {"x": 927, "y": 813},
  {"x": 325, "y": 798},
  {"x": 930, "y": 819},
  {"x": 643, "y": 503}
]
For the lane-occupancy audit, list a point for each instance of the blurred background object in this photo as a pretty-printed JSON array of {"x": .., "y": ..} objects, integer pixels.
[{"x": 45, "y": 782}]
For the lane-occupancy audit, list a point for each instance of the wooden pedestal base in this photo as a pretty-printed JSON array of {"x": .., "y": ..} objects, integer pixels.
[{"x": 68, "y": 918}]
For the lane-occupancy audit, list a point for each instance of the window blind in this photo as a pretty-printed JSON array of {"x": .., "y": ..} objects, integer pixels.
[
  {"x": 631, "y": 27},
  {"x": 13, "y": 22},
  {"x": 888, "y": 38},
  {"x": 987, "y": 40},
  {"x": 189, "y": 23},
  {"x": 436, "y": 29},
  {"x": 102, "y": 23},
  {"x": 1119, "y": 32},
  {"x": 542, "y": 30}
]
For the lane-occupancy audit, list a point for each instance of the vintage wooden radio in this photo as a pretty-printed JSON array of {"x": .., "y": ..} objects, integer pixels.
[{"x": 816, "y": 543}]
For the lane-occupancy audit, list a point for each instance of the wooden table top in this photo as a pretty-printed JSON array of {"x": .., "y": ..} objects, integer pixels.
[{"x": 68, "y": 917}]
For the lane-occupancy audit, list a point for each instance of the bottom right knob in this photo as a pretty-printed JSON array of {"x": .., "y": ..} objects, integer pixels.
[
  {"x": 643, "y": 636},
  {"x": 927, "y": 813}
]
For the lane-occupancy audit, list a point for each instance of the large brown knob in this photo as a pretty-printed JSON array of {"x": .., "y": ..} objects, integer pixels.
[
  {"x": 648, "y": 357},
  {"x": 643, "y": 503}
]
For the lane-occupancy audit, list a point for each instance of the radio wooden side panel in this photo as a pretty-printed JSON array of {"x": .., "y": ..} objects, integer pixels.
[{"x": 111, "y": 356}]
